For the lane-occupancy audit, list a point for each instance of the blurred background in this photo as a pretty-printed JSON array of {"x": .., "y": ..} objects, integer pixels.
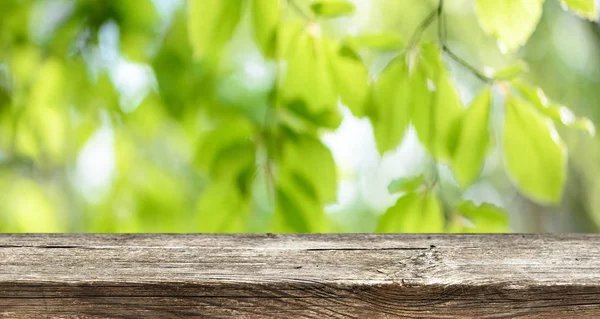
[{"x": 103, "y": 109}]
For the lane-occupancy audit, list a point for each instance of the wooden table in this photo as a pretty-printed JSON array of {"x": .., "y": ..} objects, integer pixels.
[{"x": 299, "y": 276}]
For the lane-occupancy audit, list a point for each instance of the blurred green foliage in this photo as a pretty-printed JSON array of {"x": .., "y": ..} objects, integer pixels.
[{"x": 213, "y": 115}]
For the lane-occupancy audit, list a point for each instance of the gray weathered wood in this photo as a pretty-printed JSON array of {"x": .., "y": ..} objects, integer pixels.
[{"x": 300, "y": 276}]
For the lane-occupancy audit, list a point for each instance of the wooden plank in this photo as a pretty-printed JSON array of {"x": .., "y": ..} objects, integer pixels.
[{"x": 299, "y": 276}]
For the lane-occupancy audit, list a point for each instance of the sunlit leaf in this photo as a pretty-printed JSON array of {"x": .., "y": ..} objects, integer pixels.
[
  {"x": 389, "y": 107},
  {"x": 234, "y": 132},
  {"x": 211, "y": 24},
  {"x": 413, "y": 213},
  {"x": 484, "y": 218},
  {"x": 558, "y": 113},
  {"x": 222, "y": 209},
  {"x": 296, "y": 211},
  {"x": 308, "y": 76},
  {"x": 306, "y": 156},
  {"x": 534, "y": 155},
  {"x": 473, "y": 140},
  {"x": 265, "y": 18},
  {"x": 406, "y": 184},
  {"x": 28, "y": 207},
  {"x": 511, "y": 22},
  {"x": 332, "y": 8},
  {"x": 298, "y": 116},
  {"x": 387, "y": 41},
  {"x": 352, "y": 79},
  {"x": 589, "y": 9},
  {"x": 436, "y": 106},
  {"x": 510, "y": 72}
]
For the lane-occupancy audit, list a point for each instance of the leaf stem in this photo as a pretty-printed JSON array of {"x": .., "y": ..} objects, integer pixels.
[
  {"x": 468, "y": 66},
  {"x": 422, "y": 27},
  {"x": 442, "y": 30}
]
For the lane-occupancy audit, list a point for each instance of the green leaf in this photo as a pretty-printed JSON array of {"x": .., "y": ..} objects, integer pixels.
[
  {"x": 473, "y": 140},
  {"x": 222, "y": 209},
  {"x": 388, "y": 41},
  {"x": 306, "y": 180},
  {"x": 296, "y": 115},
  {"x": 413, "y": 213},
  {"x": 211, "y": 24},
  {"x": 406, "y": 184},
  {"x": 510, "y": 72},
  {"x": 306, "y": 156},
  {"x": 308, "y": 75},
  {"x": 588, "y": 9},
  {"x": 435, "y": 102},
  {"x": 389, "y": 106},
  {"x": 332, "y": 8},
  {"x": 485, "y": 218},
  {"x": 231, "y": 133},
  {"x": 558, "y": 113},
  {"x": 296, "y": 211},
  {"x": 265, "y": 17},
  {"x": 534, "y": 155},
  {"x": 352, "y": 79},
  {"x": 511, "y": 22}
]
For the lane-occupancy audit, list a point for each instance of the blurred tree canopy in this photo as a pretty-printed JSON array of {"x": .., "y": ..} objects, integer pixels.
[{"x": 229, "y": 116}]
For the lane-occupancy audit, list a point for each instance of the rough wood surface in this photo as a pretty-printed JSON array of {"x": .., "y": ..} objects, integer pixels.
[{"x": 299, "y": 276}]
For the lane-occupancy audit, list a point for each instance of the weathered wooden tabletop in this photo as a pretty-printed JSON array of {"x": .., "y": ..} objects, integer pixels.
[{"x": 299, "y": 276}]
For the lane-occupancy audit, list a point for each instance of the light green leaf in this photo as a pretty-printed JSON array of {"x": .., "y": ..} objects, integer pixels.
[
  {"x": 435, "y": 102},
  {"x": 222, "y": 209},
  {"x": 387, "y": 41},
  {"x": 332, "y": 8},
  {"x": 352, "y": 79},
  {"x": 297, "y": 208},
  {"x": 510, "y": 72},
  {"x": 236, "y": 164},
  {"x": 231, "y": 133},
  {"x": 485, "y": 218},
  {"x": 588, "y": 9},
  {"x": 413, "y": 213},
  {"x": 211, "y": 24},
  {"x": 511, "y": 22},
  {"x": 558, "y": 113},
  {"x": 389, "y": 105},
  {"x": 265, "y": 17},
  {"x": 308, "y": 76},
  {"x": 406, "y": 184},
  {"x": 307, "y": 157},
  {"x": 534, "y": 155},
  {"x": 473, "y": 140}
]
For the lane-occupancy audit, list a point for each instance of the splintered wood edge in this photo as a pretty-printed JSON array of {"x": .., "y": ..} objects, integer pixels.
[{"x": 299, "y": 276}]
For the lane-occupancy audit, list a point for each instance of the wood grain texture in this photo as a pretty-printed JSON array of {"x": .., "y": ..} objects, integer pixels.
[{"x": 299, "y": 276}]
